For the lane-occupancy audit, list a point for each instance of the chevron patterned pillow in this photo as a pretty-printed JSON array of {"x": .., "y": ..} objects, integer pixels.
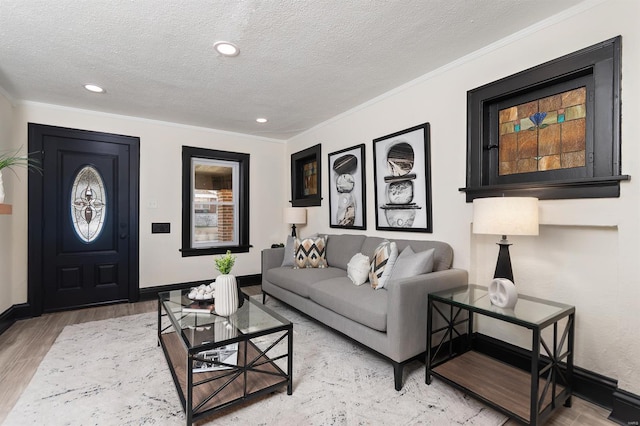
[
  {"x": 310, "y": 253},
  {"x": 384, "y": 257}
]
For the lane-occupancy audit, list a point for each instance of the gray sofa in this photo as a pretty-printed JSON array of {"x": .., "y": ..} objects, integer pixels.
[{"x": 389, "y": 321}]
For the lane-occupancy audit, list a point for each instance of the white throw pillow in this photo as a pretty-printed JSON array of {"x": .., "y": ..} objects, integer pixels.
[
  {"x": 384, "y": 257},
  {"x": 358, "y": 269},
  {"x": 410, "y": 264}
]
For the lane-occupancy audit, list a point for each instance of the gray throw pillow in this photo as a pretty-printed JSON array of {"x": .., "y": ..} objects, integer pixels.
[
  {"x": 410, "y": 264},
  {"x": 289, "y": 252}
]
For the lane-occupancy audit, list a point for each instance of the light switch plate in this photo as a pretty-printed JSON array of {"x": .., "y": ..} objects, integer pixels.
[{"x": 160, "y": 228}]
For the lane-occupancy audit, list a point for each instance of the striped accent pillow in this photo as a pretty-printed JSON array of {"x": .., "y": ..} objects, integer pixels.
[
  {"x": 310, "y": 253},
  {"x": 384, "y": 257}
]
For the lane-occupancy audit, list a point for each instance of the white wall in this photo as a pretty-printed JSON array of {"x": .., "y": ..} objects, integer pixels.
[
  {"x": 592, "y": 266},
  {"x": 160, "y": 183}
]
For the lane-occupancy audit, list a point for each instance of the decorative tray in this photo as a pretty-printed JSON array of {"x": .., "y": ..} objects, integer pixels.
[{"x": 203, "y": 292}]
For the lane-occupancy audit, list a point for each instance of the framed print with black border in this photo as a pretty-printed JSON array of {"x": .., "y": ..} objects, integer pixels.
[
  {"x": 402, "y": 177},
  {"x": 347, "y": 188}
]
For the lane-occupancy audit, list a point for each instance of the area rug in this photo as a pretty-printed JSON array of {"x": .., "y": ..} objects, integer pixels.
[{"x": 112, "y": 372}]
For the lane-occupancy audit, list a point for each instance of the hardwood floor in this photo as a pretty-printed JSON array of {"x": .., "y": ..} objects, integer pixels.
[
  {"x": 26, "y": 342},
  {"x": 24, "y": 345}
]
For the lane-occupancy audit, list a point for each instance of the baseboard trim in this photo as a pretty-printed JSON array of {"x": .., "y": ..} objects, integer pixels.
[
  {"x": 6, "y": 319},
  {"x": 151, "y": 293},
  {"x": 590, "y": 386},
  {"x": 249, "y": 280},
  {"x": 24, "y": 310},
  {"x": 626, "y": 408},
  {"x": 13, "y": 314}
]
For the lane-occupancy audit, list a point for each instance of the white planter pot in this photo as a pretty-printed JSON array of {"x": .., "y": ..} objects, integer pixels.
[
  {"x": 1, "y": 189},
  {"x": 226, "y": 299}
]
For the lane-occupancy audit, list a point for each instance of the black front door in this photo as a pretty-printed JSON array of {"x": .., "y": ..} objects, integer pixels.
[{"x": 83, "y": 219}]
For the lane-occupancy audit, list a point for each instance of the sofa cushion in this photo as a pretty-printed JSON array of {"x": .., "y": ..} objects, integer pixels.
[
  {"x": 384, "y": 257},
  {"x": 341, "y": 248},
  {"x": 361, "y": 304},
  {"x": 299, "y": 280},
  {"x": 310, "y": 253},
  {"x": 370, "y": 244}
]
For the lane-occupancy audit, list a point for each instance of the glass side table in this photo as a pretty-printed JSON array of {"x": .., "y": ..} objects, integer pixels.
[
  {"x": 529, "y": 395},
  {"x": 219, "y": 361}
]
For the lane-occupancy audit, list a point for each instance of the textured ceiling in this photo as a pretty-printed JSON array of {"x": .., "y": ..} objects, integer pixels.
[{"x": 301, "y": 62}]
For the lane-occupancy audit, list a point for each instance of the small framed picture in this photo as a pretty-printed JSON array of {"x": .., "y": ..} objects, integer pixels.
[
  {"x": 402, "y": 176},
  {"x": 306, "y": 177},
  {"x": 347, "y": 188}
]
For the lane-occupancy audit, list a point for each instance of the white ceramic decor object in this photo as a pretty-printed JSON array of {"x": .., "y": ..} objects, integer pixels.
[
  {"x": 226, "y": 295},
  {"x": 503, "y": 293},
  {"x": 1, "y": 189}
]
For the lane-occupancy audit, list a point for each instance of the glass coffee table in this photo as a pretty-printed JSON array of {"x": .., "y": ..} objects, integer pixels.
[{"x": 219, "y": 361}]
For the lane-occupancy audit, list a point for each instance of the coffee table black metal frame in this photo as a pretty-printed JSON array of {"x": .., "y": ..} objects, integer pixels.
[
  {"x": 184, "y": 335},
  {"x": 504, "y": 387}
]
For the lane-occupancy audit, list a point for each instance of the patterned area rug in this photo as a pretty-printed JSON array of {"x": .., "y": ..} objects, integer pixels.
[{"x": 112, "y": 372}]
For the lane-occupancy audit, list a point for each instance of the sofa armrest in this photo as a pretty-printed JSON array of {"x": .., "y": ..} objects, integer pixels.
[
  {"x": 407, "y": 309},
  {"x": 271, "y": 258}
]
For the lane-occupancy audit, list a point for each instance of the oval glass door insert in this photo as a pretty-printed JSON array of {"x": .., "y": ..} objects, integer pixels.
[{"x": 88, "y": 198}]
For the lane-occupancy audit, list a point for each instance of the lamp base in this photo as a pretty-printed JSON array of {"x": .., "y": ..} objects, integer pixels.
[
  {"x": 503, "y": 267},
  {"x": 293, "y": 230}
]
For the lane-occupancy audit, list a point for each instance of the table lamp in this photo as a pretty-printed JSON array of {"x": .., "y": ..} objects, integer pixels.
[
  {"x": 505, "y": 216},
  {"x": 295, "y": 216}
]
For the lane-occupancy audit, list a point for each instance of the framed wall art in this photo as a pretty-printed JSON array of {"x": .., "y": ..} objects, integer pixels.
[
  {"x": 551, "y": 131},
  {"x": 306, "y": 177},
  {"x": 402, "y": 175},
  {"x": 347, "y": 188}
]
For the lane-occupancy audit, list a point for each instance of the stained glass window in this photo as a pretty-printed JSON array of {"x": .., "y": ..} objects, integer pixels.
[
  {"x": 545, "y": 134},
  {"x": 88, "y": 198}
]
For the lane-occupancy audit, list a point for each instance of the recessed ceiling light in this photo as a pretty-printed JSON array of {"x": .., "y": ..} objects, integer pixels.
[
  {"x": 94, "y": 88},
  {"x": 261, "y": 120},
  {"x": 226, "y": 49}
]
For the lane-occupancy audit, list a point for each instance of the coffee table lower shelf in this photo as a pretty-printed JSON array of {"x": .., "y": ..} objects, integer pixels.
[
  {"x": 215, "y": 390},
  {"x": 501, "y": 385}
]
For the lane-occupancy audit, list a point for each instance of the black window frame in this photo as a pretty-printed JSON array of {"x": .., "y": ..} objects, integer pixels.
[
  {"x": 188, "y": 153},
  {"x": 600, "y": 66}
]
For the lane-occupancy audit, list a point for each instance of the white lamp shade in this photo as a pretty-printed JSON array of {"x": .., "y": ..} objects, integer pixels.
[
  {"x": 505, "y": 216},
  {"x": 293, "y": 215}
]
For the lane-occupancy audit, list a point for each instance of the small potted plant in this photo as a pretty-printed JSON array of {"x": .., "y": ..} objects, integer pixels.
[
  {"x": 8, "y": 160},
  {"x": 224, "y": 263},
  {"x": 227, "y": 301}
]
